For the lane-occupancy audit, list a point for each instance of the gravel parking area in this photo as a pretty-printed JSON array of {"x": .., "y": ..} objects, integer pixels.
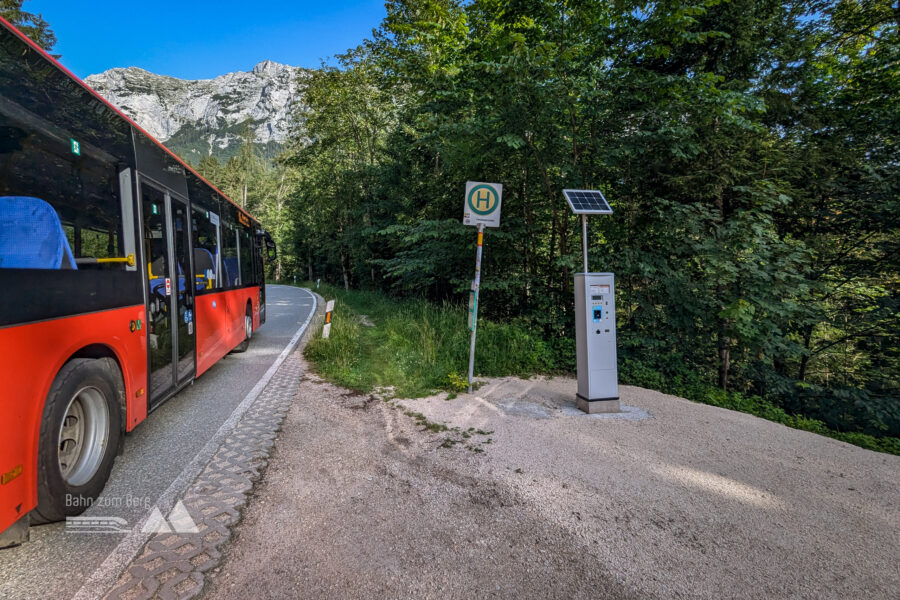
[{"x": 523, "y": 496}]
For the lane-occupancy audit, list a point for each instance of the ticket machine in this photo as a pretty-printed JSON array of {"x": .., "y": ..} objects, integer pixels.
[
  {"x": 595, "y": 318},
  {"x": 595, "y": 342}
]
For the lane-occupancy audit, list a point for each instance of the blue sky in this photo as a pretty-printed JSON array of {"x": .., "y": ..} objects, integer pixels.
[{"x": 199, "y": 39}]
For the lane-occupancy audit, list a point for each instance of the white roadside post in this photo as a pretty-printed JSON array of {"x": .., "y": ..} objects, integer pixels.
[
  {"x": 481, "y": 207},
  {"x": 326, "y": 329}
]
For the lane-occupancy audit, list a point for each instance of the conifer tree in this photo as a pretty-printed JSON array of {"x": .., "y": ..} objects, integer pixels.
[{"x": 32, "y": 25}]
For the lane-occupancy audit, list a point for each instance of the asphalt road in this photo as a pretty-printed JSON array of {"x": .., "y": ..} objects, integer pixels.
[{"x": 56, "y": 563}]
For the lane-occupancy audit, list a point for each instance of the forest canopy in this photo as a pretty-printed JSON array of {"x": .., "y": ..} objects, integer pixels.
[{"x": 747, "y": 147}]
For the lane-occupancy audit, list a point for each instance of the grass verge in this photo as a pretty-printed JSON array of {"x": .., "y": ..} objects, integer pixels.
[{"x": 416, "y": 347}]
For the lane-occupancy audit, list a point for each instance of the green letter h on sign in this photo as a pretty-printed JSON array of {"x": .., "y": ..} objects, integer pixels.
[{"x": 483, "y": 200}]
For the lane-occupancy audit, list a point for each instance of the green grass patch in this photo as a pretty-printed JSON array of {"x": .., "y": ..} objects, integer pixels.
[{"x": 415, "y": 346}]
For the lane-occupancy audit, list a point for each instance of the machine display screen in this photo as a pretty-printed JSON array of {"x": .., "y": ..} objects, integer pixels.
[{"x": 596, "y": 297}]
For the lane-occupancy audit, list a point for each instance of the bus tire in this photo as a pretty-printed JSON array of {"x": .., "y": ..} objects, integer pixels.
[
  {"x": 248, "y": 331},
  {"x": 79, "y": 439}
]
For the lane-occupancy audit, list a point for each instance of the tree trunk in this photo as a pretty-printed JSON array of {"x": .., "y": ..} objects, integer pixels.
[
  {"x": 804, "y": 360},
  {"x": 724, "y": 344},
  {"x": 345, "y": 271},
  {"x": 526, "y": 254},
  {"x": 309, "y": 262},
  {"x": 548, "y": 189}
]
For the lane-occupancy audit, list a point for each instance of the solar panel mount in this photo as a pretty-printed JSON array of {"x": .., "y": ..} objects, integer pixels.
[{"x": 587, "y": 202}]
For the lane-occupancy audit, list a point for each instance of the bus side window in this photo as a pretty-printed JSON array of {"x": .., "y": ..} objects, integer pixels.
[
  {"x": 246, "y": 255},
  {"x": 258, "y": 263},
  {"x": 85, "y": 233},
  {"x": 230, "y": 265},
  {"x": 205, "y": 248}
]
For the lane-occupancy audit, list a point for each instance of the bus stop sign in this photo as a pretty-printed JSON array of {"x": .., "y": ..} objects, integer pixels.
[{"x": 482, "y": 205}]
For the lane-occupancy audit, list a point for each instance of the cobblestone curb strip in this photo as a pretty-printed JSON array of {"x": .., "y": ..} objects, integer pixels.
[{"x": 172, "y": 565}]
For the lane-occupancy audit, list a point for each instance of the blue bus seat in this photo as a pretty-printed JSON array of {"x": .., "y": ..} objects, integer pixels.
[
  {"x": 31, "y": 235},
  {"x": 158, "y": 282},
  {"x": 232, "y": 270},
  {"x": 203, "y": 262}
]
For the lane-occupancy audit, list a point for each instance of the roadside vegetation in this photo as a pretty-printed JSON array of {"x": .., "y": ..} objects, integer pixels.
[
  {"x": 747, "y": 148},
  {"x": 416, "y": 348}
]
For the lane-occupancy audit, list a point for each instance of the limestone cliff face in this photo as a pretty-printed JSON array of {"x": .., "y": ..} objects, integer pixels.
[{"x": 207, "y": 116}]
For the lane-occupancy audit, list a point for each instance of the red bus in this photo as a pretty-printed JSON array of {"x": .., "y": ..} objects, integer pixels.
[{"x": 124, "y": 275}]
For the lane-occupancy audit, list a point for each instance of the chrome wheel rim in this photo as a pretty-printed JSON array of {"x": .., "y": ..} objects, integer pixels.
[
  {"x": 248, "y": 325},
  {"x": 83, "y": 436}
]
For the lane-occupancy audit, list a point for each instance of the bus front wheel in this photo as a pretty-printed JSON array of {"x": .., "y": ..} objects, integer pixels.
[
  {"x": 79, "y": 437},
  {"x": 248, "y": 330}
]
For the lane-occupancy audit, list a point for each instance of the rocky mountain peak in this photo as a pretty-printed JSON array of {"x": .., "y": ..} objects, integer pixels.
[
  {"x": 267, "y": 66},
  {"x": 207, "y": 117}
]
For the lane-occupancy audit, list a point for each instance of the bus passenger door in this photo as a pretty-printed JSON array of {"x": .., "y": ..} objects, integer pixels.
[
  {"x": 187, "y": 285},
  {"x": 170, "y": 284}
]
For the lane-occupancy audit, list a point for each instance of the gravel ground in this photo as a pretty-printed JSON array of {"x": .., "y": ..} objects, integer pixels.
[{"x": 524, "y": 497}]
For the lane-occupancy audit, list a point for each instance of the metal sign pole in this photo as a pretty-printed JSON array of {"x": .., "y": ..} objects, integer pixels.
[
  {"x": 584, "y": 240},
  {"x": 475, "y": 307}
]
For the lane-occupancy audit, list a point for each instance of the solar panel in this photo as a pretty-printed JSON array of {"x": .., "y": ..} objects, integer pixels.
[{"x": 587, "y": 202}]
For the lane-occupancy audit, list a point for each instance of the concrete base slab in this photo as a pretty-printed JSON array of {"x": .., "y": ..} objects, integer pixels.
[
  {"x": 626, "y": 413},
  {"x": 16, "y": 534},
  {"x": 597, "y": 406}
]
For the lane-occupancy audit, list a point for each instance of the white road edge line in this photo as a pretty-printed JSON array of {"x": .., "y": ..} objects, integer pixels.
[{"x": 105, "y": 576}]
